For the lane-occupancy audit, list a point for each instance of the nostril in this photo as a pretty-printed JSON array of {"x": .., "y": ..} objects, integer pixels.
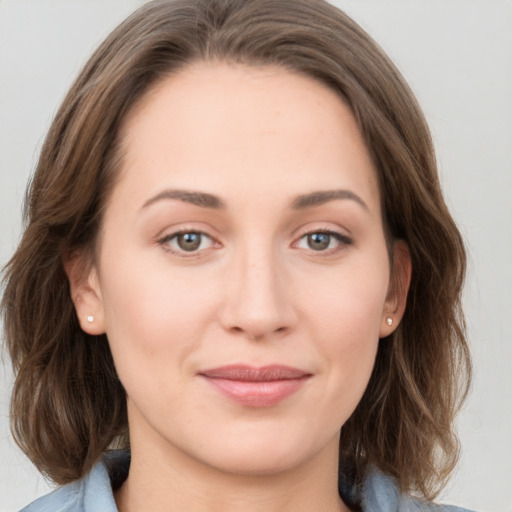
[{"x": 256, "y": 334}]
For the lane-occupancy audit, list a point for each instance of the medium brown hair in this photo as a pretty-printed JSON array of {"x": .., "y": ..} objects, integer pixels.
[{"x": 68, "y": 405}]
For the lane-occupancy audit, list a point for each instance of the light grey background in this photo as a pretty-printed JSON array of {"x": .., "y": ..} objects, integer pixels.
[{"x": 456, "y": 54}]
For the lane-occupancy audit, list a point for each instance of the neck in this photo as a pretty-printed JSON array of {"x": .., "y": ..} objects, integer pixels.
[{"x": 163, "y": 480}]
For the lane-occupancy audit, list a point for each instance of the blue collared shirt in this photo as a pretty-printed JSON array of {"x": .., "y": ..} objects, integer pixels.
[{"x": 94, "y": 493}]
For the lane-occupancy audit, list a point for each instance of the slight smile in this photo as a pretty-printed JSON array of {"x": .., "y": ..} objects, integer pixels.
[{"x": 256, "y": 387}]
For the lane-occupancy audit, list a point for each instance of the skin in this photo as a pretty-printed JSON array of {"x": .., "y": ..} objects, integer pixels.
[{"x": 256, "y": 291}]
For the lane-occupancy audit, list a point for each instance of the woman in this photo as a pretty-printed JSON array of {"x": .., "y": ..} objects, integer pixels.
[{"x": 238, "y": 270}]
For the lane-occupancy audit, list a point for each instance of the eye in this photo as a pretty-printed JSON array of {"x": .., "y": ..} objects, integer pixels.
[
  {"x": 322, "y": 241},
  {"x": 187, "y": 242}
]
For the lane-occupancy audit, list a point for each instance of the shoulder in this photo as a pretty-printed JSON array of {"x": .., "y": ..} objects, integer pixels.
[
  {"x": 92, "y": 493},
  {"x": 381, "y": 494},
  {"x": 62, "y": 499}
]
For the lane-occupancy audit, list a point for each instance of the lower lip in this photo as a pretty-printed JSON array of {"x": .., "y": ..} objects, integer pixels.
[{"x": 257, "y": 394}]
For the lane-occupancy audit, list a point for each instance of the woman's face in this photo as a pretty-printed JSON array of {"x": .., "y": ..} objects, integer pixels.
[{"x": 242, "y": 275}]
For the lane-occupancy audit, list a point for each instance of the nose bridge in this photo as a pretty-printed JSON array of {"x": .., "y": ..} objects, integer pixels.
[{"x": 258, "y": 301}]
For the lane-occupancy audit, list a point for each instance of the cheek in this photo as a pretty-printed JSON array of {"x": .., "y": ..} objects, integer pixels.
[
  {"x": 154, "y": 317},
  {"x": 349, "y": 299},
  {"x": 344, "y": 319}
]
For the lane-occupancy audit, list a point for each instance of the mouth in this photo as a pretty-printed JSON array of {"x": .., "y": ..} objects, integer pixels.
[{"x": 256, "y": 386}]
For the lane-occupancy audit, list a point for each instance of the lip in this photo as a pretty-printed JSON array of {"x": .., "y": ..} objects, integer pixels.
[{"x": 256, "y": 386}]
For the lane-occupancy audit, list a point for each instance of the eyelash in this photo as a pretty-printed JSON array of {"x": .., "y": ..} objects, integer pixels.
[
  {"x": 164, "y": 242},
  {"x": 341, "y": 239}
]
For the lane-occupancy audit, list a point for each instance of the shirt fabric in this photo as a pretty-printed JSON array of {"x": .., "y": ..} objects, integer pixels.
[{"x": 94, "y": 492}]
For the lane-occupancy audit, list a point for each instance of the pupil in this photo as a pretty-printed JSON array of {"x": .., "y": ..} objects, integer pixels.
[
  {"x": 318, "y": 241},
  {"x": 189, "y": 241}
]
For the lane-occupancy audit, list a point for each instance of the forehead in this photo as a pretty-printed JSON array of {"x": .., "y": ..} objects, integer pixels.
[{"x": 214, "y": 123}]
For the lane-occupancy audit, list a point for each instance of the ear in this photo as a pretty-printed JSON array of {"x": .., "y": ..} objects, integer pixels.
[
  {"x": 85, "y": 293},
  {"x": 399, "y": 283}
]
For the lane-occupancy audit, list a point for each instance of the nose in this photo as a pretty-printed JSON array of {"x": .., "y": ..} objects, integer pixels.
[{"x": 257, "y": 300}]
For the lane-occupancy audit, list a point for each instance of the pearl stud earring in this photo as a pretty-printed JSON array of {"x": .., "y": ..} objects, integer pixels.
[
  {"x": 389, "y": 321},
  {"x": 90, "y": 319}
]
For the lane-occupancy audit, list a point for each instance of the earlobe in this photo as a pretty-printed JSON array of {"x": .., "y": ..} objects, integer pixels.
[
  {"x": 399, "y": 283},
  {"x": 86, "y": 294}
]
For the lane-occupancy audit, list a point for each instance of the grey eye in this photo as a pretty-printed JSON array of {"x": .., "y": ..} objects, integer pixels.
[
  {"x": 318, "y": 241},
  {"x": 189, "y": 241},
  {"x": 323, "y": 241}
]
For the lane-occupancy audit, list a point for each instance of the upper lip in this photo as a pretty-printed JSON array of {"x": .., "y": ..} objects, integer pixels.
[{"x": 249, "y": 373}]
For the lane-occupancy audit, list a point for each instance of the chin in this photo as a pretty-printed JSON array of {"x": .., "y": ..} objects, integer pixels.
[
  {"x": 262, "y": 455},
  {"x": 258, "y": 464}
]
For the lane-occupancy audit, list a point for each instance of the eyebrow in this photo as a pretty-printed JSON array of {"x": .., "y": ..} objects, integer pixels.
[
  {"x": 201, "y": 199},
  {"x": 321, "y": 197},
  {"x": 302, "y": 202}
]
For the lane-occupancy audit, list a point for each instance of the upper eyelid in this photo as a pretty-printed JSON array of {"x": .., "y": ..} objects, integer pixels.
[
  {"x": 183, "y": 232},
  {"x": 339, "y": 236},
  {"x": 323, "y": 229},
  {"x": 170, "y": 236},
  {"x": 174, "y": 234},
  {"x": 171, "y": 232}
]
